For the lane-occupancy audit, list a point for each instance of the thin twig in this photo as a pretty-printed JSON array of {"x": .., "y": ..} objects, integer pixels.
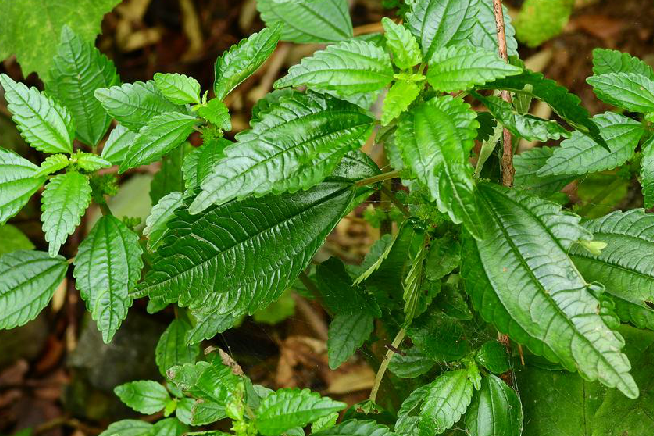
[
  {"x": 395, "y": 201},
  {"x": 379, "y": 178},
  {"x": 384, "y": 365}
]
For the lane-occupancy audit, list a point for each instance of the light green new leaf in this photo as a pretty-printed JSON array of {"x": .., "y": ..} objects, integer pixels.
[
  {"x": 144, "y": 396},
  {"x": 108, "y": 264},
  {"x": 347, "y": 332},
  {"x": 119, "y": 141},
  {"x": 52, "y": 164},
  {"x": 448, "y": 398},
  {"x": 242, "y": 60},
  {"x": 346, "y": 68},
  {"x": 198, "y": 164},
  {"x": 172, "y": 349},
  {"x": 435, "y": 139},
  {"x": 44, "y": 123},
  {"x": 17, "y": 183},
  {"x": 521, "y": 279},
  {"x": 398, "y": 99},
  {"x": 77, "y": 71},
  {"x": 28, "y": 279},
  {"x": 527, "y": 165},
  {"x": 216, "y": 113},
  {"x": 495, "y": 410},
  {"x": 295, "y": 145},
  {"x": 90, "y": 162},
  {"x": 161, "y": 213},
  {"x": 31, "y": 29},
  {"x": 647, "y": 172},
  {"x": 134, "y": 104},
  {"x": 12, "y": 239},
  {"x": 178, "y": 88},
  {"x": 402, "y": 44},
  {"x": 632, "y": 92},
  {"x": 170, "y": 427},
  {"x": 63, "y": 203},
  {"x": 356, "y": 428},
  {"x": 607, "y": 61},
  {"x": 211, "y": 381},
  {"x": 159, "y": 136},
  {"x": 459, "y": 68},
  {"x": 288, "y": 408},
  {"x": 540, "y": 20},
  {"x": 581, "y": 155},
  {"x": 129, "y": 427},
  {"x": 308, "y": 21}
]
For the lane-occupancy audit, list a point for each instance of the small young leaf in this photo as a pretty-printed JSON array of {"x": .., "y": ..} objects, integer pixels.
[
  {"x": 129, "y": 427},
  {"x": 347, "y": 332},
  {"x": 178, "y": 88},
  {"x": 12, "y": 239},
  {"x": 242, "y": 60},
  {"x": 632, "y": 92},
  {"x": 346, "y": 68},
  {"x": 172, "y": 349},
  {"x": 492, "y": 356},
  {"x": 495, "y": 410},
  {"x": 28, "y": 279},
  {"x": 216, "y": 113},
  {"x": 161, "y": 213},
  {"x": 44, "y": 123},
  {"x": 447, "y": 400},
  {"x": 612, "y": 61},
  {"x": 288, "y": 408},
  {"x": 147, "y": 397},
  {"x": 52, "y": 164},
  {"x": 64, "y": 201},
  {"x": 398, "y": 99},
  {"x": 443, "y": 258},
  {"x": 210, "y": 381},
  {"x": 91, "y": 162},
  {"x": 198, "y": 412},
  {"x": 402, "y": 44},
  {"x": 119, "y": 141},
  {"x": 527, "y": 165},
  {"x": 17, "y": 183}
]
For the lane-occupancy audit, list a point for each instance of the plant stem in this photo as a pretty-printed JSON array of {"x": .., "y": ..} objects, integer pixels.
[
  {"x": 395, "y": 201},
  {"x": 378, "y": 178},
  {"x": 384, "y": 365}
]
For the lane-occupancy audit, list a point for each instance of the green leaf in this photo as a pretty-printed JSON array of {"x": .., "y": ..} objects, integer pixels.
[
  {"x": 178, "y": 88},
  {"x": 527, "y": 165},
  {"x": 402, "y": 44},
  {"x": 197, "y": 165},
  {"x": 525, "y": 126},
  {"x": 17, "y": 183},
  {"x": 581, "y": 155},
  {"x": 306, "y": 21},
  {"x": 647, "y": 172},
  {"x": 339, "y": 294},
  {"x": 541, "y": 20},
  {"x": 117, "y": 144},
  {"x": 134, "y": 104},
  {"x": 408, "y": 416},
  {"x": 51, "y": 165},
  {"x": 356, "y": 428},
  {"x": 159, "y": 136},
  {"x": 633, "y": 311},
  {"x": 172, "y": 349},
  {"x": 44, "y": 123},
  {"x": 530, "y": 238},
  {"x": 632, "y": 92},
  {"x": 443, "y": 258},
  {"x": 361, "y": 66},
  {"x": 398, "y": 99},
  {"x": 495, "y": 410},
  {"x": 77, "y": 71},
  {"x": 439, "y": 337},
  {"x": 278, "y": 311},
  {"x": 435, "y": 139},
  {"x": 216, "y": 113},
  {"x": 63, "y": 203},
  {"x": 413, "y": 284},
  {"x": 90, "y": 162},
  {"x": 170, "y": 177},
  {"x": 492, "y": 356},
  {"x": 210, "y": 381},
  {"x": 147, "y": 397},
  {"x": 612, "y": 61},
  {"x": 170, "y": 427},
  {"x": 198, "y": 412},
  {"x": 347, "y": 332},
  {"x": 31, "y": 29},
  {"x": 297, "y": 144},
  {"x": 480, "y": 30},
  {"x": 448, "y": 398},
  {"x": 459, "y": 68},
  {"x": 12, "y": 239},
  {"x": 161, "y": 213},
  {"x": 288, "y": 408},
  {"x": 411, "y": 364},
  {"x": 223, "y": 260},
  {"x": 108, "y": 264},
  {"x": 129, "y": 427},
  {"x": 242, "y": 60},
  {"x": 28, "y": 279}
]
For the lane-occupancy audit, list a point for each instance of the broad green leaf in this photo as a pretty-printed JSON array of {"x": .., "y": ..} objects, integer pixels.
[
  {"x": 356, "y": 428},
  {"x": 172, "y": 349},
  {"x": 159, "y": 136},
  {"x": 119, "y": 141},
  {"x": 356, "y": 165},
  {"x": 347, "y": 332},
  {"x": 607, "y": 61},
  {"x": 17, "y": 183},
  {"x": 339, "y": 294},
  {"x": 527, "y": 166},
  {"x": 208, "y": 323},
  {"x": 459, "y": 68},
  {"x": 170, "y": 427},
  {"x": 134, "y": 104},
  {"x": 495, "y": 410},
  {"x": 12, "y": 239},
  {"x": 630, "y": 310},
  {"x": 447, "y": 400},
  {"x": 28, "y": 279},
  {"x": 492, "y": 356},
  {"x": 647, "y": 172},
  {"x": 216, "y": 113},
  {"x": 77, "y": 71},
  {"x": 31, "y": 29},
  {"x": 227, "y": 260},
  {"x": 632, "y": 92},
  {"x": 51, "y": 165},
  {"x": 323, "y": 423},
  {"x": 398, "y": 99},
  {"x": 170, "y": 177},
  {"x": 410, "y": 364},
  {"x": 197, "y": 165},
  {"x": 107, "y": 266},
  {"x": 297, "y": 144},
  {"x": 178, "y": 88},
  {"x": 44, "y": 123},
  {"x": 306, "y": 21},
  {"x": 90, "y": 162},
  {"x": 408, "y": 417},
  {"x": 147, "y": 397},
  {"x": 198, "y": 412},
  {"x": 267, "y": 102},
  {"x": 402, "y": 44},
  {"x": 600, "y": 193},
  {"x": 439, "y": 337},
  {"x": 346, "y": 68},
  {"x": 63, "y": 203},
  {"x": 210, "y": 381},
  {"x": 581, "y": 155},
  {"x": 523, "y": 125},
  {"x": 435, "y": 139},
  {"x": 443, "y": 258},
  {"x": 480, "y": 30},
  {"x": 530, "y": 238},
  {"x": 161, "y": 213},
  {"x": 288, "y": 408},
  {"x": 242, "y": 60},
  {"x": 540, "y": 20},
  {"x": 129, "y": 427}
]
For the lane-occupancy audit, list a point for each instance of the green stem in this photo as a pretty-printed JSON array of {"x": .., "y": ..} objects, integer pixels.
[
  {"x": 396, "y": 201},
  {"x": 384, "y": 365},
  {"x": 378, "y": 178}
]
